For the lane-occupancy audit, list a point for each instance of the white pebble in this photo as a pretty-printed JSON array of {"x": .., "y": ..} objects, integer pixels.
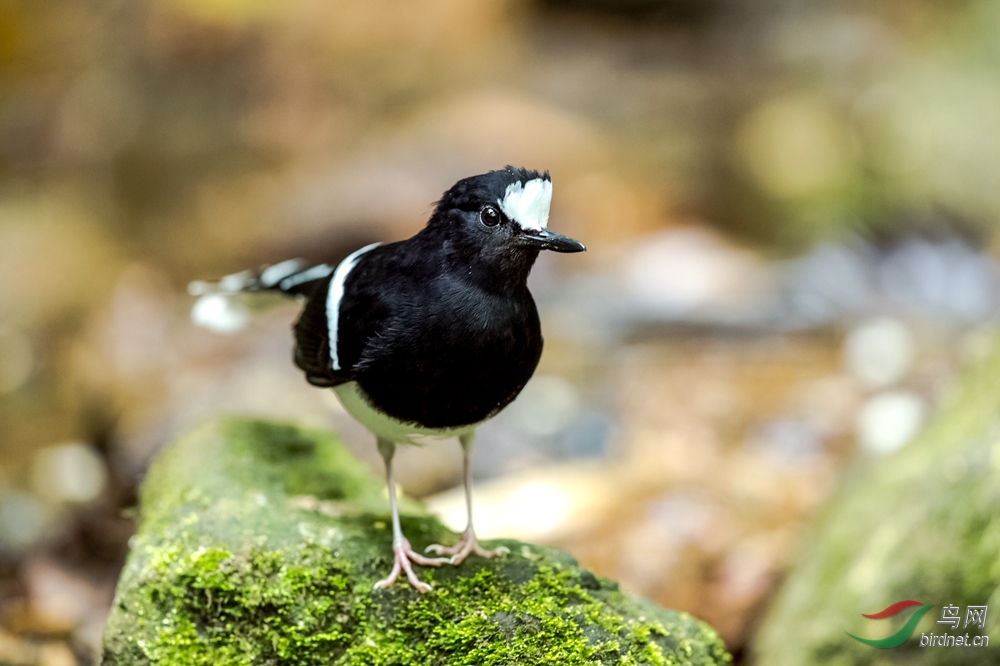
[
  {"x": 72, "y": 472},
  {"x": 22, "y": 519},
  {"x": 879, "y": 352},
  {"x": 889, "y": 420}
]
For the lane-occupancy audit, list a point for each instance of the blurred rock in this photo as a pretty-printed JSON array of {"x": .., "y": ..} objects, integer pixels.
[
  {"x": 72, "y": 472},
  {"x": 948, "y": 282},
  {"x": 16, "y": 651},
  {"x": 692, "y": 274},
  {"x": 61, "y": 600},
  {"x": 879, "y": 352},
  {"x": 56, "y": 654},
  {"x": 830, "y": 281},
  {"x": 22, "y": 521},
  {"x": 789, "y": 442},
  {"x": 61, "y": 611},
  {"x": 690, "y": 277},
  {"x": 919, "y": 523},
  {"x": 889, "y": 420},
  {"x": 945, "y": 278},
  {"x": 547, "y": 504},
  {"x": 828, "y": 403}
]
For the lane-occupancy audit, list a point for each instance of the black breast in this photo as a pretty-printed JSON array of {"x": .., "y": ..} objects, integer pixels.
[{"x": 451, "y": 355}]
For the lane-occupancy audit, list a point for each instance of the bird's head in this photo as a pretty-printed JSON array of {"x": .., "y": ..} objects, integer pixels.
[{"x": 499, "y": 220}]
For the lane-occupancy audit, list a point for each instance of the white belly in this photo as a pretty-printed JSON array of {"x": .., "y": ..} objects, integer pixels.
[{"x": 357, "y": 405}]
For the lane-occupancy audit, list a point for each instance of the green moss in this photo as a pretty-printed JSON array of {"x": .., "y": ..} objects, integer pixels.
[
  {"x": 226, "y": 570},
  {"x": 921, "y": 524},
  {"x": 257, "y": 609}
]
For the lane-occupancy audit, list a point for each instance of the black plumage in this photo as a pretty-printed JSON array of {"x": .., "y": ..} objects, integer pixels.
[
  {"x": 428, "y": 341},
  {"x": 434, "y": 334}
]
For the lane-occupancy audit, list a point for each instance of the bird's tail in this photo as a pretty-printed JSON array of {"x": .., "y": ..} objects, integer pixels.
[{"x": 224, "y": 306}]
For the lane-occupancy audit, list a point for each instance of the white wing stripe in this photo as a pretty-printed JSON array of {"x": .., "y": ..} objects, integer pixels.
[
  {"x": 336, "y": 294},
  {"x": 314, "y": 273},
  {"x": 272, "y": 275}
]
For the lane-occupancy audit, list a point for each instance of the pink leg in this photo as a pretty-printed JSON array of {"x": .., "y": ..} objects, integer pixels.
[
  {"x": 468, "y": 544},
  {"x": 403, "y": 553}
]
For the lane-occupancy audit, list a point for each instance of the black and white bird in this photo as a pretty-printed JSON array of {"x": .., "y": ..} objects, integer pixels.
[{"x": 427, "y": 337}]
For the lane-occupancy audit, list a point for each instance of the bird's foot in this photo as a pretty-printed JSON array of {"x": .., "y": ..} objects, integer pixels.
[
  {"x": 467, "y": 545},
  {"x": 404, "y": 555}
]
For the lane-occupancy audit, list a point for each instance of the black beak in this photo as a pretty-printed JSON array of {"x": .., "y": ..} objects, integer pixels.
[{"x": 549, "y": 240}]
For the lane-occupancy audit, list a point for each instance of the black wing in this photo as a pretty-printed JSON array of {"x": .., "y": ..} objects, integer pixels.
[
  {"x": 312, "y": 340},
  {"x": 364, "y": 309}
]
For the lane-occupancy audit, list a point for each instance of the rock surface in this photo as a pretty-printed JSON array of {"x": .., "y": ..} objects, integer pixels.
[
  {"x": 922, "y": 524},
  {"x": 259, "y": 543}
]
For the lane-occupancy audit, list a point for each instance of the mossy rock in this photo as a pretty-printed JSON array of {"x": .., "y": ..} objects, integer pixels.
[
  {"x": 922, "y": 524},
  {"x": 259, "y": 543}
]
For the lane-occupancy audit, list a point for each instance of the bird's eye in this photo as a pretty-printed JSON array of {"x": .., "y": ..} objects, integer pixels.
[{"x": 489, "y": 216}]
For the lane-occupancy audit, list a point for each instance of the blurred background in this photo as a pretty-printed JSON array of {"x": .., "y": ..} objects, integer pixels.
[{"x": 790, "y": 210}]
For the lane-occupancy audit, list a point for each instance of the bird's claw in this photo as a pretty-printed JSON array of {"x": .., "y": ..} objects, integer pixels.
[
  {"x": 404, "y": 555},
  {"x": 465, "y": 547}
]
